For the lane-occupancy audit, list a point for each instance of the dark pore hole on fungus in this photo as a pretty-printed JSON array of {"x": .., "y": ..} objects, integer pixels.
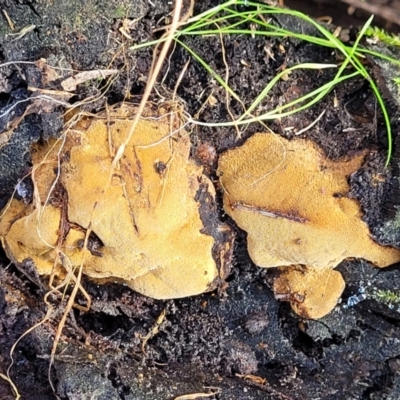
[{"x": 94, "y": 244}]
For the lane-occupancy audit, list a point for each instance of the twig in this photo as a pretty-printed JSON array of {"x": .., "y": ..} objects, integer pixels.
[
  {"x": 151, "y": 82},
  {"x": 310, "y": 125},
  {"x": 227, "y": 98},
  {"x": 10, "y": 23},
  {"x": 385, "y": 12}
]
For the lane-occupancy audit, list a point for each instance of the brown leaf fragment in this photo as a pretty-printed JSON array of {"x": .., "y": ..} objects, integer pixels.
[
  {"x": 253, "y": 378},
  {"x": 49, "y": 75},
  {"x": 153, "y": 331},
  {"x": 195, "y": 396},
  {"x": 51, "y": 96},
  {"x": 71, "y": 83}
]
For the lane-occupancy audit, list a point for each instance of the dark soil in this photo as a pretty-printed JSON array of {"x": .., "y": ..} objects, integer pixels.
[
  {"x": 348, "y": 13},
  {"x": 217, "y": 342}
]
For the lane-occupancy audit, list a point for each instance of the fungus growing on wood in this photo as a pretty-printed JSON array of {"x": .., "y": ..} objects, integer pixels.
[
  {"x": 312, "y": 293},
  {"x": 292, "y": 202},
  {"x": 145, "y": 217}
]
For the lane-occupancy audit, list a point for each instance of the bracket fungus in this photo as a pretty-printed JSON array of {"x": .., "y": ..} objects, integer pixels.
[
  {"x": 152, "y": 220},
  {"x": 292, "y": 202}
]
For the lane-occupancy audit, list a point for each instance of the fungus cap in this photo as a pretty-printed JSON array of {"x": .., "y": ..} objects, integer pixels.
[
  {"x": 144, "y": 216},
  {"x": 292, "y": 202}
]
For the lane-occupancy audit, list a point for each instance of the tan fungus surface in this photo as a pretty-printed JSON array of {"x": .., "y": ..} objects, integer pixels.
[
  {"x": 312, "y": 293},
  {"x": 147, "y": 219},
  {"x": 292, "y": 201}
]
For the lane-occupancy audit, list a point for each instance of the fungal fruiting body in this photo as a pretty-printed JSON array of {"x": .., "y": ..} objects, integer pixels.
[
  {"x": 292, "y": 202},
  {"x": 138, "y": 222}
]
